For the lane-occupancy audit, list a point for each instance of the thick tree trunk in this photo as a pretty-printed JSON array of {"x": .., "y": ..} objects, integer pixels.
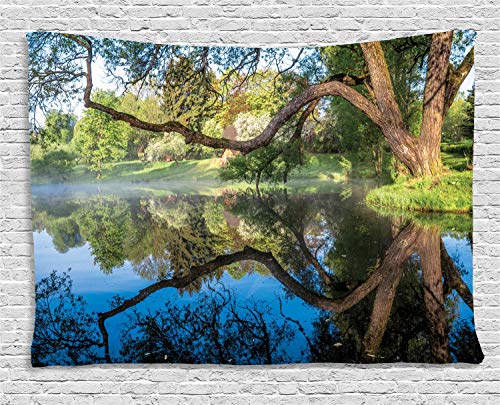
[
  {"x": 421, "y": 158},
  {"x": 382, "y": 307},
  {"x": 430, "y": 259},
  {"x": 421, "y": 155},
  {"x": 434, "y": 101}
]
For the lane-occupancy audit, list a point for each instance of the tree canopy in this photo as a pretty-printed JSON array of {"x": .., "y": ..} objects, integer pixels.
[
  {"x": 100, "y": 138},
  {"x": 380, "y": 79}
]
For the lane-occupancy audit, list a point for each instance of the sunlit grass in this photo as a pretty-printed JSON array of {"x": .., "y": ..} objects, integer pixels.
[{"x": 450, "y": 192}]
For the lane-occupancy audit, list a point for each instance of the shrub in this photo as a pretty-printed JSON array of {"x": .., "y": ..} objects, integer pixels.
[
  {"x": 55, "y": 164},
  {"x": 170, "y": 147},
  {"x": 346, "y": 166}
]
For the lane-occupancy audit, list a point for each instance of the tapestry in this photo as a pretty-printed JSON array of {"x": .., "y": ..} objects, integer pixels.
[{"x": 252, "y": 206}]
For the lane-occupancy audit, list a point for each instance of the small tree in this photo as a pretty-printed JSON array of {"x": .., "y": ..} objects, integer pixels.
[
  {"x": 170, "y": 147},
  {"x": 98, "y": 137},
  {"x": 249, "y": 125}
]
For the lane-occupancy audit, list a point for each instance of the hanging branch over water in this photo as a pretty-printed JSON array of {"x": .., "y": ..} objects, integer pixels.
[
  {"x": 399, "y": 251},
  {"x": 421, "y": 155}
]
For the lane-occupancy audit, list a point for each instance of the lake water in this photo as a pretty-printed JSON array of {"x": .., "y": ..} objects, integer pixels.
[{"x": 144, "y": 274}]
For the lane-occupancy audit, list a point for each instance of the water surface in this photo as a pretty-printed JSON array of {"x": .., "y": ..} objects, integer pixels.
[{"x": 150, "y": 274}]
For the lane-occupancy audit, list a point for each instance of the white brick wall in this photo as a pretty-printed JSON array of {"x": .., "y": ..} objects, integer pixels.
[{"x": 242, "y": 22}]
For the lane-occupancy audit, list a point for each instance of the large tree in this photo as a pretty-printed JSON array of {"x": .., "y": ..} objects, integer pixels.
[{"x": 152, "y": 64}]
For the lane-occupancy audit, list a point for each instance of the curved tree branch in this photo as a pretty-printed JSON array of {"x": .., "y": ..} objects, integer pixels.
[
  {"x": 195, "y": 273},
  {"x": 399, "y": 251},
  {"x": 312, "y": 93}
]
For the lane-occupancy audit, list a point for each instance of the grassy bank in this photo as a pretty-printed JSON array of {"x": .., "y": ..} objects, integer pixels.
[
  {"x": 451, "y": 192},
  {"x": 319, "y": 167}
]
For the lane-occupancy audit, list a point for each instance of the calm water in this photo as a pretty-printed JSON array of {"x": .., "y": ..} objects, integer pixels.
[{"x": 146, "y": 275}]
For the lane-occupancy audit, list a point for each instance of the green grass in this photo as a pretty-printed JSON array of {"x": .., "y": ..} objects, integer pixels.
[
  {"x": 456, "y": 224},
  {"x": 320, "y": 167},
  {"x": 450, "y": 192},
  {"x": 460, "y": 148},
  {"x": 322, "y": 174},
  {"x": 137, "y": 171}
]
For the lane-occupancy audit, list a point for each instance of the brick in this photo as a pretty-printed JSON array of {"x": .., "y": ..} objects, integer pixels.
[{"x": 259, "y": 23}]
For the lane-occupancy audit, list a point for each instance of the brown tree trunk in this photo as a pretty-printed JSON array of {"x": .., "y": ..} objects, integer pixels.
[
  {"x": 430, "y": 259},
  {"x": 421, "y": 155},
  {"x": 434, "y": 101},
  {"x": 382, "y": 307}
]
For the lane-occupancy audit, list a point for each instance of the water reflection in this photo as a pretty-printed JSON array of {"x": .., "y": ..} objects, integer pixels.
[{"x": 338, "y": 282}]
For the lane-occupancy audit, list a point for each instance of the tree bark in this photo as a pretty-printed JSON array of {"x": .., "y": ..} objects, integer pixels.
[
  {"x": 430, "y": 259},
  {"x": 381, "y": 311},
  {"x": 421, "y": 155},
  {"x": 434, "y": 101}
]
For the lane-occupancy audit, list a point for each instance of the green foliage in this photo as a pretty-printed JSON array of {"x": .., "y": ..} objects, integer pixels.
[
  {"x": 99, "y": 138},
  {"x": 268, "y": 92},
  {"x": 58, "y": 130},
  {"x": 248, "y": 125},
  {"x": 346, "y": 165},
  {"x": 213, "y": 128},
  {"x": 105, "y": 223},
  {"x": 456, "y": 124},
  {"x": 273, "y": 163},
  {"x": 468, "y": 122},
  {"x": 264, "y": 93},
  {"x": 187, "y": 94},
  {"x": 170, "y": 147},
  {"x": 451, "y": 192},
  {"x": 55, "y": 164},
  {"x": 147, "y": 109},
  {"x": 349, "y": 131}
]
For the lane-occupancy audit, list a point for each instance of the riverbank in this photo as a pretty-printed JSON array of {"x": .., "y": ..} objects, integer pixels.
[
  {"x": 450, "y": 192},
  {"x": 319, "y": 167}
]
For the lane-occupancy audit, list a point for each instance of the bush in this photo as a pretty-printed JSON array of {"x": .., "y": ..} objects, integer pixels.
[
  {"x": 55, "y": 164},
  {"x": 170, "y": 147}
]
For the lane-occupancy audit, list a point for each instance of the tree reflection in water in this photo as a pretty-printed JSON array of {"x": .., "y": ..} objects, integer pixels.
[{"x": 383, "y": 289}]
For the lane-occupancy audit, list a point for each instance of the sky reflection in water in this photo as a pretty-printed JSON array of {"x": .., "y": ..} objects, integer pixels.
[{"x": 118, "y": 246}]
